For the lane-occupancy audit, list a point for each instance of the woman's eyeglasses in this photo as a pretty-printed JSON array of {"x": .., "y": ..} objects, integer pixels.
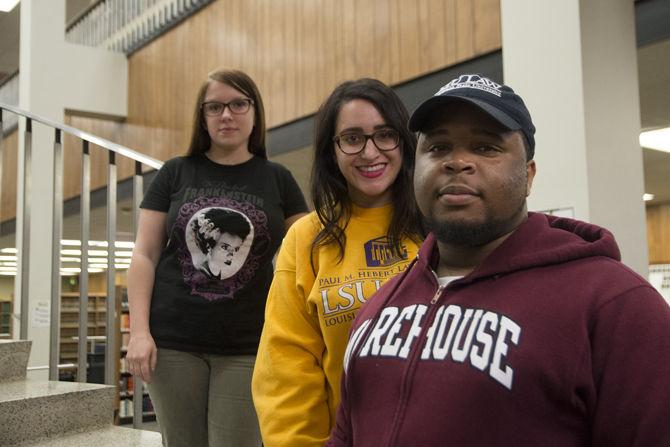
[
  {"x": 236, "y": 106},
  {"x": 351, "y": 143}
]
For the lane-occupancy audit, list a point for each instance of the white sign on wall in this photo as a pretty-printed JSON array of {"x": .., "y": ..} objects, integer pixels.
[
  {"x": 659, "y": 277},
  {"x": 41, "y": 314}
]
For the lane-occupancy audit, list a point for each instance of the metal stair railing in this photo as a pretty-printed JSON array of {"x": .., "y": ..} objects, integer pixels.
[
  {"x": 128, "y": 25},
  {"x": 113, "y": 151}
]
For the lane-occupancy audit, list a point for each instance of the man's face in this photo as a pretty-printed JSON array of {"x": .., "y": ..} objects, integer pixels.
[{"x": 471, "y": 177}]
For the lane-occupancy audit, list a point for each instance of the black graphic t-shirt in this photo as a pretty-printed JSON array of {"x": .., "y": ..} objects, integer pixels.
[{"x": 224, "y": 225}]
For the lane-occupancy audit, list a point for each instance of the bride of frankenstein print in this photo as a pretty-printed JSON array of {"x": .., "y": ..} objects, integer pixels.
[{"x": 219, "y": 240}]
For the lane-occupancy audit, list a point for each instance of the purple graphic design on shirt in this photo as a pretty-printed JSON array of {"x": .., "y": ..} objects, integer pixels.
[
  {"x": 379, "y": 253},
  {"x": 225, "y": 241}
]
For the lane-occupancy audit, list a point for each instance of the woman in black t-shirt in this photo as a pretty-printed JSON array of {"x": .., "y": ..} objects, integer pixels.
[{"x": 209, "y": 227}]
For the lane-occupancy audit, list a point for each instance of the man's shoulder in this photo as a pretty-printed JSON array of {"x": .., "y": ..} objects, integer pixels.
[{"x": 607, "y": 270}]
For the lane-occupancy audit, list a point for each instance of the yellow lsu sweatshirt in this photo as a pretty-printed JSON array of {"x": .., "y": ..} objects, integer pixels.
[{"x": 296, "y": 382}]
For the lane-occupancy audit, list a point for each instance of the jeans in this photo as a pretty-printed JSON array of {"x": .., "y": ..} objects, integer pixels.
[{"x": 204, "y": 400}]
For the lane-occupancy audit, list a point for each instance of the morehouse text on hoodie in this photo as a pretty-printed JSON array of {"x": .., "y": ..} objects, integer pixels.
[{"x": 550, "y": 341}]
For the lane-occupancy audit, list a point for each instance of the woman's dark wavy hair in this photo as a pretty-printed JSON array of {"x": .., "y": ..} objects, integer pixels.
[
  {"x": 329, "y": 187},
  {"x": 200, "y": 141}
]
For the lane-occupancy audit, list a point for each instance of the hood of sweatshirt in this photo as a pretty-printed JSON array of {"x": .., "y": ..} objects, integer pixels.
[{"x": 541, "y": 240}]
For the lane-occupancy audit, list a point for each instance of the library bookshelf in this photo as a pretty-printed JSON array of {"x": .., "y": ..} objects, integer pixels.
[
  {"x": 126, "y": 395},
  {"x": 5, "y": 318},
  {"x": 69, "y": 328},
  {"x": 97, "y": 322}
]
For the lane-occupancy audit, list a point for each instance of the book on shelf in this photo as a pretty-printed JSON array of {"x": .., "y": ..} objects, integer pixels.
[
  {"x": 147, "y": 405},
  {"x": 126, "y": 409},
  {"x": 125, "y": 322},
  {"x": 123, "y": 365},
  {"x": 126, "y": 385}
]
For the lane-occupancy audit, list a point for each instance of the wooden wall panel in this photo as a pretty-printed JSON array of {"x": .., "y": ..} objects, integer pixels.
[
  {"x": 409, "y": 43},
  {"x": 658, "y": 233},
  {"x": 115, "y": 131},
  {"x": 451, "y": 30},
  {"x": 465, "y": 34},
  {"x": 486, "y": 26},
  {"x": 432, "y": 36},
  {"x": 296, "y": 51}
]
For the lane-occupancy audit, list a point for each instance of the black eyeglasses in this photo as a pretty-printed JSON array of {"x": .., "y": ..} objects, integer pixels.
[
  {"x": 236, "y": 106},
  {"x": 351, "y": 143}
]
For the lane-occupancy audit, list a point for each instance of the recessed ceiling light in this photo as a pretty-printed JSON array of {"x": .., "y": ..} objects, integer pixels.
[
  {"x": 647, "y": 197},
  {"x": 658, "y": 139},
  {"x": 8, "y": 5}
]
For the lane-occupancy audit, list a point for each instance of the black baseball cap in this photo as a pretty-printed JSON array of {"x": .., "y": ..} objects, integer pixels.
[{"x": 498, "y": 100}]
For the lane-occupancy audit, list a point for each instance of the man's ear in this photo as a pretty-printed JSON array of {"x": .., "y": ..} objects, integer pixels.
[{"x": 530, "y": 175}]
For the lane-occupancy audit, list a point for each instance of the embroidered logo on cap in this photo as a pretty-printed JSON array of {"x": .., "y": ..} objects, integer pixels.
[{"x": 472, "y": 81}]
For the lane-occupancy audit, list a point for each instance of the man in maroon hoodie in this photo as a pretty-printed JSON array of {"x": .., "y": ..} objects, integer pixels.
[{"x": 510, "y": 328}]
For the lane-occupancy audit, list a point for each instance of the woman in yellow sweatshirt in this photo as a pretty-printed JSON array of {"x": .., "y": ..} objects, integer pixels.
[{"x": 365, "y": 229}]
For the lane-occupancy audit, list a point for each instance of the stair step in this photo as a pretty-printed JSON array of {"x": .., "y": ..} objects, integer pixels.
[
  {"x": 38, "y": 409},
  {"x": 103, "y": 437},
  {"x": 14, "y": 359}
]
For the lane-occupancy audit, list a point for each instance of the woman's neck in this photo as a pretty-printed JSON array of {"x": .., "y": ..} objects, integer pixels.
[{"x": 228, "y": 156}]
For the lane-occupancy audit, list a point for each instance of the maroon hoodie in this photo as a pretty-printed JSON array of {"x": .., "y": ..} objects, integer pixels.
[{"x": 551, "y": 341}]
